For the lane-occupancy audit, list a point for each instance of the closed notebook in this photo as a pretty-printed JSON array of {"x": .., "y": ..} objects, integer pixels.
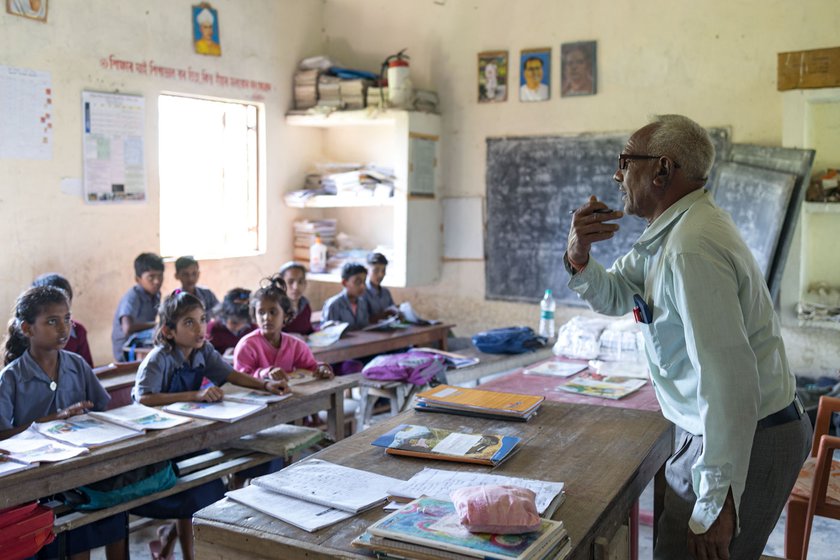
[
  {"x": 603, "y": 386},
  {"x": 462, "y": 398},
  {"x": 446, "y": 445},
  {"x": 435, "y": 524}
]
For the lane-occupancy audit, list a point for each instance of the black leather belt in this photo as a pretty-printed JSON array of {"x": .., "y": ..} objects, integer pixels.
[{"x": 787, "y": 414}]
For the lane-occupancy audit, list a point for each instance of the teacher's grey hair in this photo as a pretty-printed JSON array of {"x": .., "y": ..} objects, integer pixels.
[{"x": 685, "y": 141}]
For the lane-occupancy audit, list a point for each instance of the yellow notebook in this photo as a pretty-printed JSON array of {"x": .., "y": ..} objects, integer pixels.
[{"x": 461, "y": 398}]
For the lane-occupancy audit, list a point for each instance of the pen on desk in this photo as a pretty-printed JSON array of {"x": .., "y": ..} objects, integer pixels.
[{"x": 597, "y": 211}]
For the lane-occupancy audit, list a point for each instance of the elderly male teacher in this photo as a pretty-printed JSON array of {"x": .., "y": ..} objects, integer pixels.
[{"x": 713, "y": 343}]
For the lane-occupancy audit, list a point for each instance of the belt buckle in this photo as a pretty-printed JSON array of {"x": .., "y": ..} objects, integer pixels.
[{"x": 798, "y": 404}]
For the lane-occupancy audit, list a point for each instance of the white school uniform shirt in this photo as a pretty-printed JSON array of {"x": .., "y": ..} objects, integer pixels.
[
  {"x": 714, "y": 347},
  {"x": 25, "y": 393}
]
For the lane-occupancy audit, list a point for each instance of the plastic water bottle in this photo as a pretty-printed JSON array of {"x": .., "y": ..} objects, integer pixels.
[
  {"x": 317, "y": 256},
  {"x": 547, "y": 307}
]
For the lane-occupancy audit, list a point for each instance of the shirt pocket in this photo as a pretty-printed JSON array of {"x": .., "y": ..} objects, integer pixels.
[{"x": 657, "y": 349}]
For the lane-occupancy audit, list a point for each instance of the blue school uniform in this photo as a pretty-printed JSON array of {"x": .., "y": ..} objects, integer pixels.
[
  {"x": 338, "y": 308},
  {"x": 138, "y": 304},
  {"x": 26, "y": 394},
  {"x": 379, "y": 299},
  {"x": 208, "y": 298},
  {"x": 166, "y": 370}
]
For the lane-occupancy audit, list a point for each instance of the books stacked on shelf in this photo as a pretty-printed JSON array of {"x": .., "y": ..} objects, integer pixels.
[
  {"x": 354, "y": 93},
  {"x": 437, "y": 443},
  {"x": 306, "y": 89},
  {"x": 348, "y": 182},
  {"x": 227, "y": 410},
  {"x": 313, "y": 494},
  {"x": 438, "y": 483},
  {"x": 377, "y": 97},
  {"x": 329, "y": 91},
  {"x": 603, "y": 386},
  {"x": 475, "y": 402},
  {"x": 431, "y": 528},
  {"x": 305, "y": 232}
]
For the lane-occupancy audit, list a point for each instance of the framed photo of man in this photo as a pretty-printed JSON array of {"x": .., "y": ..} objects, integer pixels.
[
  {"x": 578, "y": 68},
  {"x": 32, "y": 9},
  {"x": 535, "y": 75},
  {"x": 205, "y": 20},
  {"x": 492, "y": 76}
]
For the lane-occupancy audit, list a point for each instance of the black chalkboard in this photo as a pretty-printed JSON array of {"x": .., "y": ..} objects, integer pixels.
[{"x": 533, "y": 183}]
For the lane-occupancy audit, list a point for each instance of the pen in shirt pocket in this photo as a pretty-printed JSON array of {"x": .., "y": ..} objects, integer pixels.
[{"x": 641, "y": 311}]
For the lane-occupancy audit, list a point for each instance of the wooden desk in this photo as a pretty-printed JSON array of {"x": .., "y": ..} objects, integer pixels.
[
  {"x": 606, "y": 457},
  {"x": 359, "y": 344},
  {"x": 119, "y": 457}
]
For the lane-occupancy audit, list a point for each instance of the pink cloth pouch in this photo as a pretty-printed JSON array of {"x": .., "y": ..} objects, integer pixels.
[{"x": 503, "y": 510}]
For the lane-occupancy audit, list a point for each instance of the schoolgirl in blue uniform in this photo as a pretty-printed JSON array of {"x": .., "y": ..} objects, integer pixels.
[
  {"x": 173, "y": 372},
  {"x": 41, "y": 382}
]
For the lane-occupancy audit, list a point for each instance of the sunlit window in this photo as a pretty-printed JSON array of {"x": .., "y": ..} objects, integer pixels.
[{"x": 209, "y": 177}]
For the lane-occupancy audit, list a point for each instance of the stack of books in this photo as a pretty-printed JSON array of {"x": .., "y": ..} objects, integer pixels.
[
  {"x": 438, "y": 443},
  {"x": 428, "y": 528},
  {"x": 304, "y": 236},
  {"x": 354, "y": 93},
  {"x": 377, "y": 97},
  {"x": 475, "y": 402},
  {"x": 306, "y": 89},
  {"x": 313, "y": 494},
  {"x": 329, "y": 91}
]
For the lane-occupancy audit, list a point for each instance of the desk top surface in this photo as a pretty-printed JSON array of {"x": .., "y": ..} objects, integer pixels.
[
  {"x": 158, "y": 445},
  {"x": 358, "y": 344},
  {"x": 605, "y": 456}
]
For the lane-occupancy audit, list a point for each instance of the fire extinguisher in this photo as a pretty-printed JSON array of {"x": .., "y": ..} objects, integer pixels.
[{"x": 400, "y": 91}]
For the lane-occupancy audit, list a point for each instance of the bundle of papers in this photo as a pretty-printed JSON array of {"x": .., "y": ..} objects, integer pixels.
[
  {"x": 139, "y": 417},
  {"x": 329, "y": 91},
  {"x": 438, "y": 483},
  {"x": 354, "y": 93},
  {"x": 555, "y": 368},
  {"x": 475, "y": 402},
  {"x": 86, "y": 430},
  {"x": 446, "y": 445},
  {"x": 606, "y": 387},
  {"x": 430, "y": 528},
  {"x": 222, "y": 411},
  {"x": 306, "y": 88}
]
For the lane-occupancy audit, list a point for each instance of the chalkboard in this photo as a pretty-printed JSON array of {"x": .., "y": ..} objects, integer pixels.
[
  {"x": 758, "y": 200},
  {"x": 533, "y": 183},
  {"x": 789, "y": 160}
]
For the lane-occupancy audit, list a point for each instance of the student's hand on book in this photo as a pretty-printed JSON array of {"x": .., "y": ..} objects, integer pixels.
[
  {"x": 324, "y": 371},
  {"x": 277, "y": 374},
  {"x": 73, "y": 410},
  {"x": 210, "y": 394},
  {"x": 279, "y": 387}
]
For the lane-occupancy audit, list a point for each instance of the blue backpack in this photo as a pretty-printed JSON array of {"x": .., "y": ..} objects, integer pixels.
[{"x": 508, "y": 340}]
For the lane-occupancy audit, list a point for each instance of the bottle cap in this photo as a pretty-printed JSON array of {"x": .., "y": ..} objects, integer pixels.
[{"x": 548, "y": 292}]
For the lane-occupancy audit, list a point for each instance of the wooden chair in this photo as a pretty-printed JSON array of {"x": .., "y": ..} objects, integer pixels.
[{"x": 817, "y": 490}]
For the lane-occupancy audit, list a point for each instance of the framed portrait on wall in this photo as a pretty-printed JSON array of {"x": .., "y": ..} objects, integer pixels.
[
  {"x": 535, "y": 75},
  {"x": 205, "y": 21},
  {"x": 578, "y": 69},
  {"x": 31, "y": 9},
  {"x": 492, "y": 76}
]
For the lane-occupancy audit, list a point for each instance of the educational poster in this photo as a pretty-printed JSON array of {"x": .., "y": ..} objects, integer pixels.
[
  {"x": 32, "y": 9},
  {"x": 206, "y": 30},
  {"x": 25, "y": 114},
  {"x": 579, "y": 68},
  {"x": 535, "y": 75},
  {"x": 492, "y": 76},
  {"x": 112, "y": 140},
  {"x": 422, "y": 164}
]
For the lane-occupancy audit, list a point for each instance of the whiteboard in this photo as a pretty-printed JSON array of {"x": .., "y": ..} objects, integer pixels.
[
  {"x": 463, "y": 228},
  {"x": 113, "y": 128}
]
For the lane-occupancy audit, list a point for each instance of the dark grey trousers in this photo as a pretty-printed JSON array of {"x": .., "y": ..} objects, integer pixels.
[{"x": 777, "y": 455}]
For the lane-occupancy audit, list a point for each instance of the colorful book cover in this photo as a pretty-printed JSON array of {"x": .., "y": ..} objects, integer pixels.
[
  {"x": 437, "y": 443},
  {"x": 477, "y": 399},
  {"x": 435, "y": 523},
  {"x": 603, "y": 386}
]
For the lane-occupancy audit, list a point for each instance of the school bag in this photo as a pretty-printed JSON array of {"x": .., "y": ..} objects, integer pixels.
[
  {"x": 508, "y": 340},
  {"x": 24, "y": 530},
  {"x": 414, "y": 367},
  {"x": 123, "y": 487}
]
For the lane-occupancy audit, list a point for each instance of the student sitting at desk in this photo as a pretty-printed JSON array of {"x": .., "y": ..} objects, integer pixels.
[
  {"x": 349, "y": 306},
  {"x": 138, "y": 308},
  {"x": 187, "y": 273},
  {"x": 380, "y": 302},
  {"x": 173, "y": 372},
  {"x": 42, "y": 382},
  {"x": 78, "y": 342},
  {"x": 294, "y": 275},
  {"x": 232, "y": 321}
]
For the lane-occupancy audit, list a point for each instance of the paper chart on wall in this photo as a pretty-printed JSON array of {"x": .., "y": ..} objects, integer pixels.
[
  {"x": 25, "y": 114},
  {"x": 113, "y": 145}
]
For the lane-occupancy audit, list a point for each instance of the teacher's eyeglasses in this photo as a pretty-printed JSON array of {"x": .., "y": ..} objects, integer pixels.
[{"x": 625, "y": 159}]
